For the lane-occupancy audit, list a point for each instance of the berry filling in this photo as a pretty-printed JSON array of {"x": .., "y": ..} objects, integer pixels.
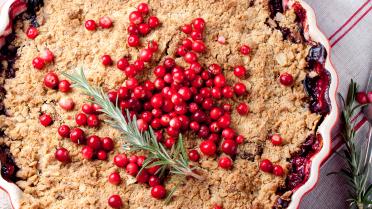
[
  {"x": 318, "y": 80},
  {"x": 299, "y": 171},
  {"x": 8, "y": 166}
]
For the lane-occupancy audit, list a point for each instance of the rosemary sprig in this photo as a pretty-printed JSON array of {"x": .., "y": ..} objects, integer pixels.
[
  {"x": 357, "y": 170},
  {"x": 175, "y": 160}
]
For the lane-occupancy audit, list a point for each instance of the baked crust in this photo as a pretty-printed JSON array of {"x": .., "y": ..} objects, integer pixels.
[{"x": 83, "y": 184}]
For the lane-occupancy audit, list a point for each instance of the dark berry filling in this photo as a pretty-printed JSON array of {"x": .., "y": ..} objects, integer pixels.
[
  {"x": 8, "y": 167},
  {"x": 300, "y": 167},
  {"x": 275, "y": 7},
  {"x": 318, "y": 80}
]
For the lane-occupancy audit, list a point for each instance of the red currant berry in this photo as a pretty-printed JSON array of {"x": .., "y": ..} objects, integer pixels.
[
  {"x": 229, "y": 147},
  {"x": 239, "y": 71},
  {"x": 38, "y": 63},
  {"x": 132, "y": 169},
  {"x": 77, "y": 136},
  {"x": 242, "y": 109},
  {"x": 168, "y": 143},
  {"x": 225, "y": 163},
  {"x": 32, "y": 32},
  {"x": 144, "y": 28},
  {"x": 90, "y": 25},
  {"x": 187, "y": 28},
  {"x": 135, "y": 17},
  {"x": 51, "y": 80},
  {"x": 143, "y": 177},
  {"x": 198, "y": 24},
  {"x": 87, "y": 152},
  {"x": 106, "y": 60},
  {"x": 64, "y": 131},
  {"x": 194, "y": 155},
  {"x": 132, "y": 30},
  {"x": 107, "y": 144},
  {"x": 245, "y": 50},
  {"x": 66, "y": 103},
  {"x": 121, "y": 160},
  {"x": 228, "y": 133},
  {"x": 146, "y": 55},
  {"x": 158, "y": 192},
  {"x": 62, "y": 155},
  {"x": 45, "y": 119},
  {"x": 276, "y": 139},
  {"x": 154, "y": 181},
  {"x": 105, "y": 22},
  {"x": 190, "y": 57},
  {"x": 208, "y": 148},
  {"x": 143, "y": 8},
  {"x": 114, "y": 178},
  {"x": 101, "y": 155},
  {"x": 240, "y": 89},
  {"x": 153, "y": 46},
  {"x": 47, "y": 56},
  {"x": 93, "y": 121},
  {"x": 64, "y": 86},
  {"x": 361, "y": 98},
  {"x": 286, "y": 79},
  {"x": 153, "y": 170},
  {"x": 133, "y": 40},
  {"x": 153, "y": 22},
  {"x": 94, "y": 142},
  {"x": 266, "y": 166},
  {"x": 239, "y": 139},
  {"x": 115, "y": 201},
  {"x": 278, "y": 170},
  {"x": 198, "y": 46},
  {"x": 122, "y": 64},
  {"x": 219, "y": 80}
]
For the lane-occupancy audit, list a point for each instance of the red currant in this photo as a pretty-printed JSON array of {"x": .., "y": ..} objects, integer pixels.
[
  {"x": 278, "y": 170},
  {"x": 105, "y": 22},
  {"x": 106, "y": 60},
  {"x": 87, "y": 152},
  {"x": 286, "y": 79},
  {"x": 266, "y": 166},
  {"x": 225, "y": 162},
  {"x": 115, "y": 201},
  {"x": 38, "y": 63},
  {"x": 64, "y": 86},
  {"x": 245, "y": 50},
  {"x": 229, "y": 147},
  {"x": 276, "y": 139},
  {"x": 64, "y": 131},
  {"x": 135, "y": 17},
  {"x": 45, "y": 119},
  {"x": 158, "y": 192},
  {"x": 121, "y": 160},
  {"x": 153, "y": 22},
  {"x": 90, "y": 25},
  {"x": 32, "y": 32},
  {"x": 62, "y": 155},
  {"x": 114, "y": 178},
  {"x": 208, "y": 148},
  {"x": 51, "y": 80},
  {"x": 194, "y": 155}
]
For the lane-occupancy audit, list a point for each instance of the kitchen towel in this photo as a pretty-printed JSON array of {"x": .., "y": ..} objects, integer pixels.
[{"x": 348, "y": 26}]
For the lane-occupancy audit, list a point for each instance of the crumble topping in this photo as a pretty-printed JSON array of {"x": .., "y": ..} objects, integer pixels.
[{"x": 273, "y": 107}]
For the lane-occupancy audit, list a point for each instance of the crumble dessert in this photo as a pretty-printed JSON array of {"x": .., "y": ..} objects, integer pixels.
[{"x": 255, "y": 43}]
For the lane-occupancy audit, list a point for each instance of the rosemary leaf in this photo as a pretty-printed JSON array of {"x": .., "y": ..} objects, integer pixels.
[{"x": 135, "y": 139}]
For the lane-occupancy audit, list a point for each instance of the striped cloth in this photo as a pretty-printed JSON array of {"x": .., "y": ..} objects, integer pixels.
[{"x": 348, "y": 25}]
